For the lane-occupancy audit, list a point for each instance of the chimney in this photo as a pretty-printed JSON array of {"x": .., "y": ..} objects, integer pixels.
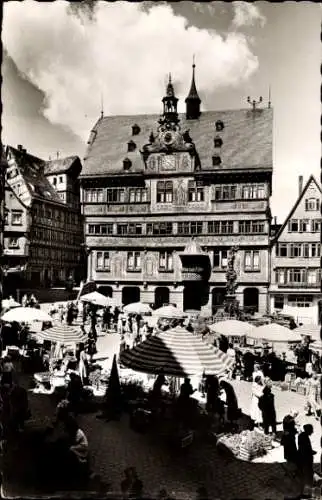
[
  {"x": 24, "y": 151},
  {"x": 275, "y": 220},
  {"x": 300, "y": 184},
  {"x": 19, "y": 147},
  {"x": 57, "y": 154}
]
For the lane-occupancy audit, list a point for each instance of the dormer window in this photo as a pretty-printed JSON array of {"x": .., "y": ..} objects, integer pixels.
[
  {"x": 219, "y": 125},
  {"x": 127, "y": 164},
  {"x": 135, "y": 129},
  {"x": 131, "y": 146},
  {"x": 216, "y": 161},
  {"x": 218, "y": 142}
]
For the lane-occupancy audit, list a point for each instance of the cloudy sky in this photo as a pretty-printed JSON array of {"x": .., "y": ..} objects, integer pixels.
[{"x": 61, "y": 60}]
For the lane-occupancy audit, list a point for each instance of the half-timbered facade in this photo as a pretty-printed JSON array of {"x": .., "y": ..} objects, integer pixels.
[{"x": 43, "y": 234}]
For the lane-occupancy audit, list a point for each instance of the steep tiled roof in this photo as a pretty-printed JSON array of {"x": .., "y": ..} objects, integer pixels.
[
  {"x": 32, "y": 170},
  {"x": 60, "y": 165},
  {"x": 247, "y": 140}
]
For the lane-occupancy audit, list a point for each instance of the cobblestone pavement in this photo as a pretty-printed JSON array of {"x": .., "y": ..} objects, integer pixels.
[{"x": 114, "y": 446}]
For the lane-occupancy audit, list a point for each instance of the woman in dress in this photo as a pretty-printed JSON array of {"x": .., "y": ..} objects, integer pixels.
[
  {"x": 83, "y": 364},
  {"x": 257, "y": 392}
]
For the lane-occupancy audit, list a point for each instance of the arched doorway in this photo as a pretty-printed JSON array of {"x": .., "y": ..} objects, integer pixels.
[
  {"x": 191, "y": 297},
  {"x": 130, "y": 294},
  {"x": 251, "y": 299},
  {"x": 161, "y": 296},
  {"x": 106, "y": 290},
  {"x": 218, "y": 297}
]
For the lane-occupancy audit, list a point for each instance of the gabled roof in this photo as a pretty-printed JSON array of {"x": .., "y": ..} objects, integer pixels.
[
  {"x": 62, "y": 165},
  {"x": 247, "y": 140},
  {"x": 298, "y": 201},
  {"x": 32, "y": 171}
]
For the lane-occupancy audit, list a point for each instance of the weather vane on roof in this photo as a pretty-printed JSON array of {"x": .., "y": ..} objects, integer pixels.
[
  {"x": 254, "y": 103},
  {"x": 102, "y": 106}
]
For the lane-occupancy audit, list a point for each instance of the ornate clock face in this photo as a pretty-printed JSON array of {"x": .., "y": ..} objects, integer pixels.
[
  {"x": 168, "y": 162},
  {"x": 169, "y": 137}
]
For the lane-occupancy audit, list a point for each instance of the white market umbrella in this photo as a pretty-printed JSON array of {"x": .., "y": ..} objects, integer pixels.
[
  {"x": 179, "y": 353},
  {"x": 232, "y": 327},
  {"x": 137, "y": 308},
  {"x": 112, "y": 302},
  {"x": 311, "y": 330},
  {"x": 63, "y": 334},
  {"x": 168, "y": 312},
  {"x": 10, "y": 304},
  {"x": 96, "y": 298},
  {"x": 274, "y": 333},
  {"x": 26, "y": 314}
]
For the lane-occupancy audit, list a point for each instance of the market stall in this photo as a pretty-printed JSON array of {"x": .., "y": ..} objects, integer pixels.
[{"x": 61, "y": 341}]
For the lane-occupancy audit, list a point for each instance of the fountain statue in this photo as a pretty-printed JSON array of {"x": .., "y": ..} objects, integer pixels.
[{"x": 231, "y": 305}]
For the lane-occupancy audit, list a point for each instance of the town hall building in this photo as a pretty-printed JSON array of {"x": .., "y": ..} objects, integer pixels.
[{"x": 165, "y": 197}]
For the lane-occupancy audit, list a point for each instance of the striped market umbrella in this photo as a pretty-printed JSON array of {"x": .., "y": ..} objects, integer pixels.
[
  {"x": 179, "y": 353},
  {"x": 232, "y": 327},
  {"x": 64, "y": 334}
]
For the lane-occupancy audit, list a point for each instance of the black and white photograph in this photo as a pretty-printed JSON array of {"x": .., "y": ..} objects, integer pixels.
[{"x": 160, "y": 250}]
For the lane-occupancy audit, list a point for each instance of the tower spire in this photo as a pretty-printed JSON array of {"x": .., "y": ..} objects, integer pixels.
[{"x": 193, "y": 100}]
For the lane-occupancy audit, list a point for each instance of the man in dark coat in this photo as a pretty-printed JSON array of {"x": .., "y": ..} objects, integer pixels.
[
  {"x": 306, "y": 454},
  {"x": 289, "y": 443},
  {"x": 267, "y": 407}
]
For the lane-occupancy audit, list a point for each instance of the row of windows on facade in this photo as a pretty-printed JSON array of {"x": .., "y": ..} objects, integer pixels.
[
  {"x": 220, "y": 260},
  {"x": 293, "y": 301},
  {"x": 52, "y": 235},
  {"x": 63, "y": 216},
  {"x": 303, "y": 250},
  {"x": 304, "y": 226},
  {"x": 298, "y": 276},
  {"x": 165, "y": 192},
  {"x": 183, "y": 228},
  {"x": 55, "y": 254}
]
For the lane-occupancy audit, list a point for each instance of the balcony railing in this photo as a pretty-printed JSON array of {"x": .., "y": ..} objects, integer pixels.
[
  {"x": 299, "y": 285},
  {"x": 240, "y": 206}
]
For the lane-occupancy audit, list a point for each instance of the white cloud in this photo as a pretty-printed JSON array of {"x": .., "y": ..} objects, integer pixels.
[
  {"x": 247, "y": 14},
  {"x": 124, "y": 53}
]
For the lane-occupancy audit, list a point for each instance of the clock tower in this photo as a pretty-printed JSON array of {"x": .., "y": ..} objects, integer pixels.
[{"x": 171, "y": 149}]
